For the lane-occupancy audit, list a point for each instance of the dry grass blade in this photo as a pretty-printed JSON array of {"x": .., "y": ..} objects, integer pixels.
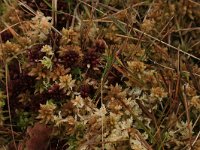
[{"x": 8, "y": 102}]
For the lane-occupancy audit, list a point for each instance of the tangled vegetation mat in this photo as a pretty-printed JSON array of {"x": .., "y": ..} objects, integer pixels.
[{"x": 99, "y": 75}]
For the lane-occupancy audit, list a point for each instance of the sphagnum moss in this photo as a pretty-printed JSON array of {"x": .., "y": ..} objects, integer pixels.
[{"x": 104, "y": 76}]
